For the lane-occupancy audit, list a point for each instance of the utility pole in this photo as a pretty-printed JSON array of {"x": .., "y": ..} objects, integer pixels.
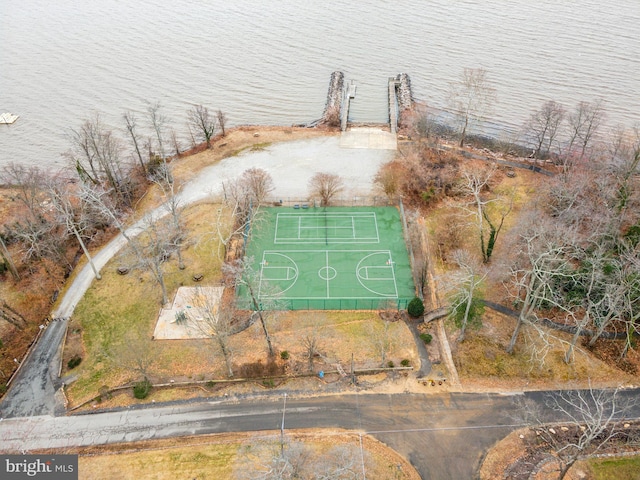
[{"x": 284, "y": 408}]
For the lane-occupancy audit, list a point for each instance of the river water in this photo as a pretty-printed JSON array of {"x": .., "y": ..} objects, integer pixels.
[{"x": 269, "y": 62}]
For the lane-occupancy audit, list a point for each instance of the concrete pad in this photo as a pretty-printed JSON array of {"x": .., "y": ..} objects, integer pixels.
[
  {"x": 186, "y": 300},
  {"x": 372, "y": 138}
]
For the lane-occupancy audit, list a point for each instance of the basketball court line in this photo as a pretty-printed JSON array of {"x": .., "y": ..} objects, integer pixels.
[
  {"x": 389, "y": 265},
  {"x": 298, "y": 240},
  {"x": 283, "y": 253}
]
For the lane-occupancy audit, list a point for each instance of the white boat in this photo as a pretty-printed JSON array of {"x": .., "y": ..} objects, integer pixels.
[{"x": 8, "y": 118}]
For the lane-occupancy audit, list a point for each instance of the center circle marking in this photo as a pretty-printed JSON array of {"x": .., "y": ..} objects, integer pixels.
[{"x": 327, "y": 273}]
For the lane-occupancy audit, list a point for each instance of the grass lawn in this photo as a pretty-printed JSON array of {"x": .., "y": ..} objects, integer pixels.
[
  {"x": 126, "y": 307},
  {"x": 208, "y": 461},
  {"x": 620, "y": 468},
  {"x": 117, "y": 316},
  {"x": 221, "y": 456}
]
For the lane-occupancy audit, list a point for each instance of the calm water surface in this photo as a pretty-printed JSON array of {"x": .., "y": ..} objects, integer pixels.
[{"x": 269, "y": 62}]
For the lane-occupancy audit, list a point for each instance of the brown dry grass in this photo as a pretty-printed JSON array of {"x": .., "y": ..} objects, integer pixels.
[
  {"x": 30, "y": 296},
  {"x": 215, "y": 456},
  {"x": 513, "y": 452},
  {"x": 481, "y": 360},
  {"x": 118, "y": 304}
]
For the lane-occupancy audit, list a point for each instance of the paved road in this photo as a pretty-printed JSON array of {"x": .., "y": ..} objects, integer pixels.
[{"x": 444, "y": 436}]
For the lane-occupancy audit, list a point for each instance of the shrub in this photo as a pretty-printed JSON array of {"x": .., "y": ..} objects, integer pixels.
[
  {"x": 104, "y": 392},
  {"x": 415, "y": 307},
  {"x": 405, "y": 362},
  {"x": 284, "y": 355},
  {"x": 390, "y": 364},
  {"x": 474, "y": 318},
  {"x": 141, "y": 389},
  {"x": 428, "y": 195},
  {"x": 426, "y": 338},
  {"x": 74, "y": 362}
]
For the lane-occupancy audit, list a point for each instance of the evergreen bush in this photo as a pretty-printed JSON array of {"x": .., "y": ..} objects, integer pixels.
[
  {"x": 74, "y": 362},
  {"x": 142, "y": 389},
  {"x": 415, "y": 307}
]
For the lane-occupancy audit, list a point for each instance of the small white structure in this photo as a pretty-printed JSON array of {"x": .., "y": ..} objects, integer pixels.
[
  {"x": 181, "y": 320},
  {"x": 8, "y": 118}
]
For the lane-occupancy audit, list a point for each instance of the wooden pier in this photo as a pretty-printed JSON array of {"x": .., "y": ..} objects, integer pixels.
[
  {"x": 349, "y": 94},
  {"x": 393, "y": 104},
  {"x": 339, "y": 96}
]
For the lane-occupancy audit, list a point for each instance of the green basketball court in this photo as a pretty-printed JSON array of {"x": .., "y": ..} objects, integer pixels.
[{"x": 335, "y": 258}]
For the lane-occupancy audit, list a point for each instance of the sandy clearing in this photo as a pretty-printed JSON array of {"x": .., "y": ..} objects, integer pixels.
[{"x": 292, "y": 164}]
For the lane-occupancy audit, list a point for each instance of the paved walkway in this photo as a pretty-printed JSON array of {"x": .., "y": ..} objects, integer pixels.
[
  {"x": 425, "y": 363},
  {"x": 370, "y": 138}
]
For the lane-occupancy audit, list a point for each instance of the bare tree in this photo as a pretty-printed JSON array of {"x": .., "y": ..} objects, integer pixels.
[
  {"x": 96, "y": 154},
  {"x": 626, "y": 179},
  {"x": 256, "y": 184},
  {"x": 248, "y": 191},
  {"x": 380, "y": 334},
  {"x": 269, "y": 459},
  {"x": 150, "y": 252},
  {"x": 543, "y": 260},
  {"x": 466, "y": 306},
  {"x": 243, "y": 198},
  {"x": 584, "y": 123},
  {"x": 12, "y": 316},
  {"x": 130, "y": 123},
  {"x": 475, "y": 184},
  {"x": 202, "y": 123},
  {"x": 311, "y": 341},
  {"x": 37, "y": 231},
  {"x": 593, "y": 293},
  {"x": 543, "y": 127},
  {"x": 326, "y": 186},
  {"x": 222, "y": 121},
  {"x": 173, "y": 206},
  {"x": 215, "y": 320},
  {"x": 28, "y": 184},
  {"x": 72, "y": 213},
  {"x": 388, "y": 179},
  {"x": 266, "y": 460},
  {"x": 7, "y": 258},
  {"x": 590, "y": 420},
  {"x": 424, "y": 124},
  {"x": 155, "y": 247},
  {"x": 158, "y": 124},
  {"x": 175, "y": 143},
  {"x": 471, "y": 97},
  {"x": 630, "y": 311},
  {"x": 263, "y": 301}
]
